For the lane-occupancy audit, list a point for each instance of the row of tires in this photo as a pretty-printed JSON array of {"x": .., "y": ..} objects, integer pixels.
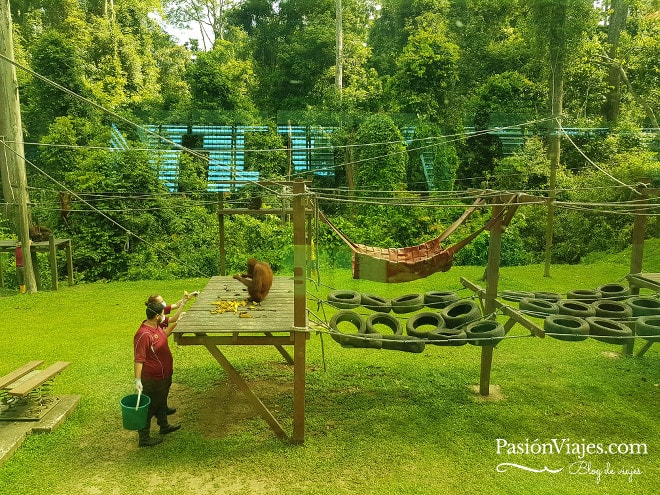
[
  {"x": 612, "y": 292},
  {"x": 408, "y": 303},
  {"x": 458, "y": 324},
  {"x": 573, "y": 328},
  {"x": 632, "y": 307},
  {"x": 609, "y": 300}
]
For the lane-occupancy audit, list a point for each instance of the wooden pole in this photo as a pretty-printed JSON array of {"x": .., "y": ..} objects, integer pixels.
[
  {"x": 221, "y": 235},
  {"x": 52, "y": 256},
  {"x": 308, "y": 243},
  {"x": 69, "y": 262},
  {"x": 12, "y": 153},
  {"x": 637, "y": 256},
  {"x": 492, "y": 279},
  {"x": 299, "y": 311},
  {"x": 639, "y": 231}
]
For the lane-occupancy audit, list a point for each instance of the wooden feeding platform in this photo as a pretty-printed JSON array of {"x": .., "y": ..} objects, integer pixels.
[
  {"x": 213, "y": 320},
  {"x": 50, "y": 246}
]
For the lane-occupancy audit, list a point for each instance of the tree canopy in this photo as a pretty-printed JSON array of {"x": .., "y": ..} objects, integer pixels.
[{"x": 428, "y": 86}]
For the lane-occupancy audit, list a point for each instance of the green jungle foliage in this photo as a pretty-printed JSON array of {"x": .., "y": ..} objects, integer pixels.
[{"x": 427, "y": 87}]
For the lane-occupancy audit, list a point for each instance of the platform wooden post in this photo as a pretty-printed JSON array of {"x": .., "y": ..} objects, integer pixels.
[
  {"x": 221, "y": 235},
  {"x": 53, "y": 262},
  {"x": 492, "y": 278},
  {"x": 69, "y": 261},
  {"x": 639, "y": 230},
  {"x": 299, "y": 312}
]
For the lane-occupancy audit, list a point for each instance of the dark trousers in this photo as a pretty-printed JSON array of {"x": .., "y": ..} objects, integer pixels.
[{"x": 157, "y": 391}]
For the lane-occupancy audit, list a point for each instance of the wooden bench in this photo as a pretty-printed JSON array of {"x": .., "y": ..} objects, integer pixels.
[
  {"x": 24, "y": 388},
  {"x": 18, "y": 373}
]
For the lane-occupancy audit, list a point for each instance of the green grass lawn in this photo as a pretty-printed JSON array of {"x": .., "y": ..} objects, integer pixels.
[{"x": 378, "y": 422}]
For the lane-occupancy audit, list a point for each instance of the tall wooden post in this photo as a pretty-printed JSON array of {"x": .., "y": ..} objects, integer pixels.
[
  {"x": 299, "y": 311},
  {"x": 52, "y": 257},
  {"x": 12, "y": 153},
  {"x": 221, "y": 235},
  {"x": 492, "y": 279},
  {"x": 639, "y": 231}
]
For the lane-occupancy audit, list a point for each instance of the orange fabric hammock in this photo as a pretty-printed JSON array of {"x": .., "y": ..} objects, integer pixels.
[{"x": 394, "y": 265}]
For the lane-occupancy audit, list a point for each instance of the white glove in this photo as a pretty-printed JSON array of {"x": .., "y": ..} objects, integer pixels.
[{"x": 138, "y": 385}]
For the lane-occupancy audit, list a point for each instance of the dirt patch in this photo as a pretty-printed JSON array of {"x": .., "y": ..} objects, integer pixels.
[
  {"x": 224, "y": 409},
  {"x": 495, "y": 394},
  {"x": 611, "y": 354}
]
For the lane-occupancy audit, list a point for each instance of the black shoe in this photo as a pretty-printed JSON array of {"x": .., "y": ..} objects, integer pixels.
[
  {"x": 149, "y": 441},
  {"x": 171, "y": 410},
  {"x": 169, "y": 429}
]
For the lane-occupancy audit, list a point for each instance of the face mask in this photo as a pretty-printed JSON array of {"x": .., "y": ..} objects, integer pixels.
[{"x": 164, "y": 304}]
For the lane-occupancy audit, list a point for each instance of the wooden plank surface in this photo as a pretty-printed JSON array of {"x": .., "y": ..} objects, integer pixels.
[
  {"x": 18, "y": 373},
  {"x": 645, "y": 280},
  {"x": 274, "y": 314},
  {"x": 39, "y": 379},
  {"x": 8, "y": 245}
]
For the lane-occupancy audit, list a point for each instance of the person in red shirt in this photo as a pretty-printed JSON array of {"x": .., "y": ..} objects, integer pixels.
[
  {"x": 157, "y": 298},
  {"x": 154, "y": 367}
]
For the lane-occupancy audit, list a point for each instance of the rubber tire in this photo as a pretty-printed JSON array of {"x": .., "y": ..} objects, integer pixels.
[
  {"x": 648, "y": 327},
  {"x": 542, "y": 306},
  {"x": 609, "y": 331},
  {"x": 461, "y": 313},
  {"x": 548, "y": 296},
  {"x": 403, "y": 343},
  {"x": 487, "y": 332},
  {"x": 515, "y": 295},
  {"x": 571, "y": 307},
  {"x": 566, "y": 327},
  {"x": 408, "y": 303},
  {"x": 644, "y": 306},
  {"x": 357, "y": 339},
  {"x": 344, "y": 299},
  {"x": 584, "y": 295},
  {"x": 439, "y": 299},
  {"x": 614, "y": 292},
  {"x": 375, "y": 302},
  {"x": 447, "y": 337},
  {"x": 425, "y": 318},
  {"x": 392, "y": 322},
  {"x": 607, "y": 308}
]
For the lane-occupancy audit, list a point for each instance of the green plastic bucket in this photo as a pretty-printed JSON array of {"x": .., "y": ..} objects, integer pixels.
[{"x": 132, "y": 418}]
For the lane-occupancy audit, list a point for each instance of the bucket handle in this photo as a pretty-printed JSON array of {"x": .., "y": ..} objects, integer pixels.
[{"x": 138, "y": 400}]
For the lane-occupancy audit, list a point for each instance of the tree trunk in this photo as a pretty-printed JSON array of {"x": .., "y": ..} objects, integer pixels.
[
  {"x": 12, "y": 153},
  {"x": 557, "y": 59},
  {"x": 617, "y": 23}
]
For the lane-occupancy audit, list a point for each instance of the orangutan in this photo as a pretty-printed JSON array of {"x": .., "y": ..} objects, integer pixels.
[{"x": 258, "y": 279}]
